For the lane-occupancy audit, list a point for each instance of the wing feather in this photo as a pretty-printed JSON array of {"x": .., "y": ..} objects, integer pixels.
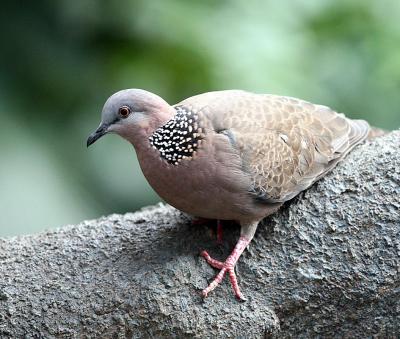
[{"x": 286, "y": 144}]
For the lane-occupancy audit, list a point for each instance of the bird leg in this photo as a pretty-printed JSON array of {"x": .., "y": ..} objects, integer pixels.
[
  {"x": 227, "y": 266},
  {"x": 246, "y": 234},
  {"x": 202, "y": 221}
]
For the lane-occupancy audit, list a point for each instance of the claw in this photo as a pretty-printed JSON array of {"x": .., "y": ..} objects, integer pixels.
[{"x": 227, "y": 266}]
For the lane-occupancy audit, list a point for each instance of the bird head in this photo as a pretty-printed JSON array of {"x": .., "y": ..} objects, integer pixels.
[{"x": 132, "y": 114}]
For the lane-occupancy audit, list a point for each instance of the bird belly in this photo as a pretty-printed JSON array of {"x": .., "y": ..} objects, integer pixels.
[{"x": 204, "y": 186}]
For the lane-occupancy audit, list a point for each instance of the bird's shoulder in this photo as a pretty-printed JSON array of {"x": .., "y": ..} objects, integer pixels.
[{"x": 243, "y": 110}]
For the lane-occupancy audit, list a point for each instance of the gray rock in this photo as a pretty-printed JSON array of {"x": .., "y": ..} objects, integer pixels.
[{"x": 327, "y": 264}]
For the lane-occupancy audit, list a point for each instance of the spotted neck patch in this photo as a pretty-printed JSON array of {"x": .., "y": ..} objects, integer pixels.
[{"x": 179, "y": 138}]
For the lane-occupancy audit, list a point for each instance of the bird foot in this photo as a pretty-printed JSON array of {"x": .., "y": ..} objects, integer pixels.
[{"x": 224, "y": 267}]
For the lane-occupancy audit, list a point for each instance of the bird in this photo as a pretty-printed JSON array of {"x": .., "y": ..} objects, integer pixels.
[{"x": 230, "y": 154}]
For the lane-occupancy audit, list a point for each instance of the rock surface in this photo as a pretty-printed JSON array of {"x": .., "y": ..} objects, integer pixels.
[{"x": 327, "y": 264}]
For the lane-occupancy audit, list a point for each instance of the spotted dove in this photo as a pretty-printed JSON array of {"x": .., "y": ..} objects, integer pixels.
[{"x": 230, "y": 155}]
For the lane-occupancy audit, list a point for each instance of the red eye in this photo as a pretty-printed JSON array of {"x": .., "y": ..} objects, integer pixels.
[{"x": 124, "y": 111}]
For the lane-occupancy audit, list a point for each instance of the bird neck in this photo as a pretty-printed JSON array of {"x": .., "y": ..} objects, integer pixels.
[{"x": 179, "y": 138}]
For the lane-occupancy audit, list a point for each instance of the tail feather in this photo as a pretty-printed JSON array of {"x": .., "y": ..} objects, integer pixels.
[{"x": 376, "y": 132}]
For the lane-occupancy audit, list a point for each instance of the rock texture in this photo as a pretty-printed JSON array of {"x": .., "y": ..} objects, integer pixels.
[{"x": 327, "y": 264}]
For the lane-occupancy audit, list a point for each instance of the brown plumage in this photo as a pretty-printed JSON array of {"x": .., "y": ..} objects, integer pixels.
[
  {"x": 286, "y": 144},
  {"x": 231, "y": 154}
]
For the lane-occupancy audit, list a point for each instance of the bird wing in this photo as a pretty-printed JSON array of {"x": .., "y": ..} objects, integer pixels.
[{"x": 286, "y": 144}]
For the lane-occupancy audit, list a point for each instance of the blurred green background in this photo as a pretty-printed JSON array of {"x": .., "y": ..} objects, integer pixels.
[{"x": 60, "y": 60}]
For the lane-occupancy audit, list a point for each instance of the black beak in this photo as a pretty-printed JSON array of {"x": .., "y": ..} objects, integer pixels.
[{"x": 96, "y": 134}]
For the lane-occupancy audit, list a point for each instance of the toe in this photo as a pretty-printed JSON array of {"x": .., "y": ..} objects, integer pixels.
[
  {"x": 214, "y": 263},
  {"x": 235, "y": 285},
  {"x": 217, "y": 280}
]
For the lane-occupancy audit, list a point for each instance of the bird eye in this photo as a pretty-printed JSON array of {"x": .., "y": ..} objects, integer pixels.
[{"x": 124, "y": 111}]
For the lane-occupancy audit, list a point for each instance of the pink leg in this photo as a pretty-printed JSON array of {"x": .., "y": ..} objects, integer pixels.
[{"x": 227, "y": 266}]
